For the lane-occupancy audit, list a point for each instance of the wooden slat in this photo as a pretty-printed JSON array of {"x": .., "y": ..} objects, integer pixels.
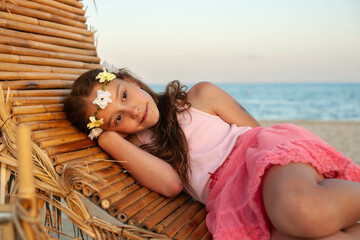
[
  {"x": 19, "y": 101},
  {"x": 73, "y": 3},
  {"x": 33, "y": 109},
  {"x": 39, "y": 117},
  {"x": 9, "y": 58},
  {"x": 49, "y": 9},
  {"x": 40, "y": 15},
  {"x": 22, "y": 51},
  {"x": 14, "y": 67},
  {"x": 42, "y": 42},
  {"x": 42, "y": 23},
  {"x": 39, "y": 93},
  {"x": 20, "y": 26},
  {"x": 65, "y": 7},
  {"x": 33, "y": 84}
]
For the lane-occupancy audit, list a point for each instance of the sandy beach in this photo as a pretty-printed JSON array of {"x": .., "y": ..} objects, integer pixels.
[{"x": 344, "y": 136}]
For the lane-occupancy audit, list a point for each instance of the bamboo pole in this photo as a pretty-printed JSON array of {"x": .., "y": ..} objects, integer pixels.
[
  {"x": 41, "y": 15},
  {"x": 98, "y": 197},
  {"x": 137, "y": 206},
  {"x": 52, "y": 132},
  {"x": 22, "y": 51},
  {"x": 175, "y": 226},
  {"x": 58, "y": 5},
  {"x": 35, "y": 77},
  {"x": 123, "y": 193},
  {"x": 18, "y": 101},
  {"x": 27, "y": 195},
  {"x": 193, "y": 224},
  {"x": 38, "y": 93},
  {"x": 119, "y": 205},
  {"x": 20, "y": 26},
  {"x": 39, "y": 117},
  {"x": 139, "y": 217},
  {"x": 206, "y": 236},
  {"x": 49, "y": 9},
  {"x": 43, "y": 143},
  {"x": 72, "y": 3},
  {"x": 36, "y": 41},
  {"x": 47, "y": 124},
  {"x": 35, "y": 68},
  {"x": 89, "y": 191},
  {"x": 172, "y": 217},
  {"x": 198, "y": 232},
  {"x": 9, "y": 58},
  {"x": 69, "y": 147},
  {"x": 65, "y": 157},
  {"x": 38, "y": 22},
  {"x": 36, "y": 84},
  {"x": 154, "y": 219}
]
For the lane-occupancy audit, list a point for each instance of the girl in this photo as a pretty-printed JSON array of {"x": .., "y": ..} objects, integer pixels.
[{"x": 280, "y": 182}]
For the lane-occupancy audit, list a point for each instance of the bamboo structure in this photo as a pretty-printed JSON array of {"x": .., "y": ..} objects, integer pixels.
[{"x": 44, "y": 46}]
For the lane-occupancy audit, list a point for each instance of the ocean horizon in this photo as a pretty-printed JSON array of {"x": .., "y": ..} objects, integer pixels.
[{"x": 294, "y": 101}]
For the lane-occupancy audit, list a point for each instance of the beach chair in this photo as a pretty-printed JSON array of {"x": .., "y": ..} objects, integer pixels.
[{"x": 44, "y": 46}]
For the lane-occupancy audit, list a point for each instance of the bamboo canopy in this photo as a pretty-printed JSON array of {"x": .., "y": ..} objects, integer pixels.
[{"x": 44, "y": 46}]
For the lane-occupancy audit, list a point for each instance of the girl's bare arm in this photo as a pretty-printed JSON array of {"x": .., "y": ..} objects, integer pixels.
[
  {"x": 150, "y": 171},
  {"x": 212, "y": 99}
]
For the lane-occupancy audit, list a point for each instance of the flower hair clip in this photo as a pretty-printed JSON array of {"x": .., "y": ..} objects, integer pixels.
[{"x": 102, "y": 99}]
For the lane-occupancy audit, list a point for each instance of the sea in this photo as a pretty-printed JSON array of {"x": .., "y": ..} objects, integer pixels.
[{"x": 295, "y": 101}]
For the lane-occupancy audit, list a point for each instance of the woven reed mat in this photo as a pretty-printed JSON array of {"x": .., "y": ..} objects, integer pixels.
[{"x": 44, "y": 46}]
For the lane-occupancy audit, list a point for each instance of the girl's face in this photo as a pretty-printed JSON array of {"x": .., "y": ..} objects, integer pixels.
[{"x": 131, "y": 110}]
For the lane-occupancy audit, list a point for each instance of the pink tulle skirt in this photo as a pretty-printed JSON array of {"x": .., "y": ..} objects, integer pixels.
[{"x": 235, "y": 206}]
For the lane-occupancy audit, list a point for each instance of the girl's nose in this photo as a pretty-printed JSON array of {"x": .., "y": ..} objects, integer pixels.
[{"x": 134, "y": 111}]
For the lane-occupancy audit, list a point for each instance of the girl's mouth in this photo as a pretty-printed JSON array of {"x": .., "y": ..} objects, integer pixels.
[{"x": 145, "y": 114}]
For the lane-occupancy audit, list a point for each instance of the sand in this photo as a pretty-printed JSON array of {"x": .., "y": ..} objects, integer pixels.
[{"x": 344, "y": 136}]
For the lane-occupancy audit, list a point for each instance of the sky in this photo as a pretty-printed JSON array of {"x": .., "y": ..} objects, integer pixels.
[{"x": 230, "y": 41}]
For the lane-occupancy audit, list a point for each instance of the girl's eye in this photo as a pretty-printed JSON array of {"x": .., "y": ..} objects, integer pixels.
[
  {"x": 118, "y": 118},
  {"x": 124, "y": 96}
]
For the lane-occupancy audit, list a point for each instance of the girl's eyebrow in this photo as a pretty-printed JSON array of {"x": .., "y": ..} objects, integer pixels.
[{"x": 116, "y": 98}]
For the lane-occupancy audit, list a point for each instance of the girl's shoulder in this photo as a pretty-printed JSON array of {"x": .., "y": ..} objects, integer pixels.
[{"x": 202, "y": 96}]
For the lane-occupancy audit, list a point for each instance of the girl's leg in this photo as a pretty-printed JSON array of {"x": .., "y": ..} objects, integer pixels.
[
  {"x": 301, "y": 203},
  {"x": 350, "y": 233}
]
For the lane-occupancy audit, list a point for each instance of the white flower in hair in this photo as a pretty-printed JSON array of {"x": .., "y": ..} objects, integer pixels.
[
  {"x": 102, "y": 99},
  {"x": 110, "y": 67},
  {"x": 94, "y": 133}
]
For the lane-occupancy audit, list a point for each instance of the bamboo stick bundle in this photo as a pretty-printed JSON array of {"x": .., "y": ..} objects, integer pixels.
[
  {"x": 38, "y": 93},
  {"x": 65, "y": 157},
  {"x": 175, "y": 226},
  {"x": 119, "y": 195},
  {"x": 199, "y": 231},
  {"x": 69, "y": 147},
  {"x": 49, "y": 9},
  {"x": 31, "y": 109},
  {"x": 42, "y": 23},
  {"x": 9, "y": 58},
  {"x": 35, "y": 68},
  {"x": 19, "y": 101},
  {"x": 172, "y": 217},
  {"x": 36, "y": 84},
  {"x": 206, "y": 236},
  {"x": 135, "y": 207},
  {"x": 67, "y": 138},
  {"x": 39, "y": 117},
  {"x": 15, "y": 38},
  {"x": 35, "y": 77},
  {"x": 89, "y": 191},
  {"x": 13, "y": 8},
  {"x": 20, "y": 26},
  {"x": 52, "y": 132},
  {"x": 119, "y": 205},
  {"x": 98, "y": 197},
  {"x": 47, "y": 124},
  {"x": 22, "y": 51},
  {"x": 158, "y": 216},
  {"x": 58, "y": 5},
  {"x": 139, "y": 217},
  {"x": 192, "y": 225}
]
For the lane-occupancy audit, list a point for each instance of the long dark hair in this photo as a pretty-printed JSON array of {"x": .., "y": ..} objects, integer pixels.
[{"x": 169, "y": 141}]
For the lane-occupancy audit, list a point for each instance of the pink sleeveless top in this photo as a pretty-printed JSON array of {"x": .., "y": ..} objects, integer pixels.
[{"x": 210, "y": 141}]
